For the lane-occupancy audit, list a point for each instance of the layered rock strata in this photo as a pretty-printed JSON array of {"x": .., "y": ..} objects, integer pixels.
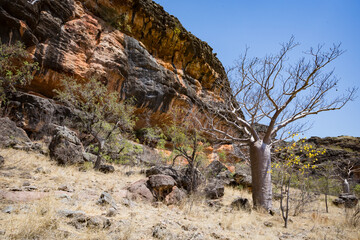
[{"x": 133, "y": 46}]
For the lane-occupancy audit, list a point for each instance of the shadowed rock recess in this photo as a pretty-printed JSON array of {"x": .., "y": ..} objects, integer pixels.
[{"x": 134, "y": 46}]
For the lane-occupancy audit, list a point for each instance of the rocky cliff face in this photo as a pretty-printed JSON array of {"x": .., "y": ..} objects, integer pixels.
[
  {"x": 134, "y": 46},
  {"x": 343, "y": 151}
]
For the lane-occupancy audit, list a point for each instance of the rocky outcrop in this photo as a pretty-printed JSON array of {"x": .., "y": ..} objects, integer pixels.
[
  {"x": 342, "y": 151},
  {"x": 37, "y": 115},
  {"x": 65, "y": 148},
  {"x": 134, "y": 46}
]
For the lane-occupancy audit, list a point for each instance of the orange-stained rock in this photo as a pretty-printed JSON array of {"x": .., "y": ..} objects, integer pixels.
[{"x": 134, "y": 46}]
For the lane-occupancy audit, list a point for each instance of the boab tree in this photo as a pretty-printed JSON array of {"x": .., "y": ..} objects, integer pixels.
[{"x": 275, "y": 92}]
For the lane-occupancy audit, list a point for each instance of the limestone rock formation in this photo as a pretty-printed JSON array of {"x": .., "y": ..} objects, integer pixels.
[{"x": 134, "y": 46}]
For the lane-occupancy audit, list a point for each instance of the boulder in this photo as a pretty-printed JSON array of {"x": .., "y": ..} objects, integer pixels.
[
  {"x": 241, "y": 203},
  {"x": 190, "y": 182},
  {"x": 347, "y": 200},
  {"x": 214, "y": 168},
  {"x": 11, "y": 135},
  {"x": 104, "y": 168},
  {"x": 139, "y": 191},
  {"x": 242, "y": 178},
  {"x": 161, "y": 185},
  {"x": 182, "y": 176},
  {"x": 98, "y": 222},
  {"x": 65, "y": 147},
  {"x": 105, "y": 198},
  {"x": 175, "y": 196},
  {"x": 36, "y": 115},
  {"x": 214, "y": 189}
]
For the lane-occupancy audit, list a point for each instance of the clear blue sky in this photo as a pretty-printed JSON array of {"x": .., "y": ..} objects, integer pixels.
[{"x": 231, "y": 25}]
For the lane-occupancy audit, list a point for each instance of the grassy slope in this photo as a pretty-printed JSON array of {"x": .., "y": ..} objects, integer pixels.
[{"x": 38, "y": 219}]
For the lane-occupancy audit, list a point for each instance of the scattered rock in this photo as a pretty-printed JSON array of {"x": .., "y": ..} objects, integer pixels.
[
  {"x": 127, "y": 202},
  {"x": 140, "y": 191},
  {"x": 105, "y": 198},
  {"x": 2, "y": 232},
  {"x": 175, "y": 196},
  {"x": 8, "y": 209},
  {"x": 26, "y": 183},
  {"x": 214, "y": 203},
  {"x": 268, "y": 224},
  {"x": 65, "y": 188},
  {"x": 2, "y": 161},
  {"x": 160, "y": 232},
  {"x": 97, "y": 222},
  {"x": 214, "y": 168},
  {"x": 347, "y": 200},
  {"x": 65, "y": 147},
  {"x": 106, "y": 168},
  {"x": 111, "y": 212},
  {"x": 11, "y": 135},
  {"x": 129, "y": 173},
  {"x": 15, "y": 189},
  {"x": 214, "y": 189},
  {"x": 79, "y": 221},
  {"x": 181, "y": 176},
  {"x": 30, "y": 188},
  {"x": 161, "y": 185},
  {"x": 89, "y": 157},
  {"x": 42, "y": 170},
  {"x": 241, "y": 203},
  {"x": 70, "y": 213}
]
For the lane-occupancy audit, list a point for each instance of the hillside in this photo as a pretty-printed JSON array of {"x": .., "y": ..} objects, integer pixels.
[{"x": 47, "y": 201}]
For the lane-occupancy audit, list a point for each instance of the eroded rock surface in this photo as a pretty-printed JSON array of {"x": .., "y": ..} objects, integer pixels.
[{"x": 134, "y": 46}]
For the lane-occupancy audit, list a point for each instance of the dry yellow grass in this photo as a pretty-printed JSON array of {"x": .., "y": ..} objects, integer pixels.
[{"x": 38, "y": 219}]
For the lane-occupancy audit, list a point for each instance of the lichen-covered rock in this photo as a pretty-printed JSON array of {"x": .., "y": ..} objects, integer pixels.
[{"x": 65, "y": 147}]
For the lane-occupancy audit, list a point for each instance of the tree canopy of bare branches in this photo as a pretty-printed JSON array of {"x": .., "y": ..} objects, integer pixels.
[{"x": 276, "y": 92}]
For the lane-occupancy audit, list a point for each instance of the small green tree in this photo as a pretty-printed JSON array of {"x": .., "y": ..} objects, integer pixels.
[
  {"x": 188, "y": 144},
  {"x": 297, "y": 159},
  {"x": 15, "y": 70},
  {"x": 100, "y": 112}
]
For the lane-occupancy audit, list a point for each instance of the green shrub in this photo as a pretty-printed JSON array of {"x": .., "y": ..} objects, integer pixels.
[{"x": 15, "y": 70}]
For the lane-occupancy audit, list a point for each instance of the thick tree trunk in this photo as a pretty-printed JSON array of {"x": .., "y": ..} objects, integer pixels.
[{"x": 260, "y": 157}]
